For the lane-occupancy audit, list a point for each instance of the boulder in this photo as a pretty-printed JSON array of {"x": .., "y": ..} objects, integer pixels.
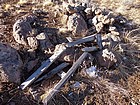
[
  {"x": 23, "y": 29},
  {"x": 105, "y": 58},
  {"x": 10, "y": 64},
  {"x": 77, "y": 24}
]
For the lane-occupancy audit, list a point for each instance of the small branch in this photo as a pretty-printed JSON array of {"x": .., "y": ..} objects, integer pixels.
[{"x": 65, "y": 78}]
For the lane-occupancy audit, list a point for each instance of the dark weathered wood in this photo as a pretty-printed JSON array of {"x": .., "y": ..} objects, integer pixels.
[
  {"x": 65, "y": 78},
  {"x": 82, "y": 40},
  {"x": 43, "y": 67},
  {"x": 99, "y": 41},
  {"x": 53, "y": 72}
]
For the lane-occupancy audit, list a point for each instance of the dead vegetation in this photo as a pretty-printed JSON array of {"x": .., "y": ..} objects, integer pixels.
[{"x": 113, "y": 84}]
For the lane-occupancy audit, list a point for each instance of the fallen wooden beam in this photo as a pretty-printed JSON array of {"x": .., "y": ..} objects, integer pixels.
[
  {"x": 65, "y": 78},
  {"x": 82, "y": 40},
  {"x": 99, "y": 41},
  {"x": 53, "y": 72},
  {"x": 43, "y": 67}
]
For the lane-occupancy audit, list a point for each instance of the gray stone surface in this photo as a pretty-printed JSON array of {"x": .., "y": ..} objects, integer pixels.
[
  {"x": 106, "y": 58},
  {"x": 77, "y": 24},
  {"x": 10, "y": 64},
  {"x": 23, "y": 29}
]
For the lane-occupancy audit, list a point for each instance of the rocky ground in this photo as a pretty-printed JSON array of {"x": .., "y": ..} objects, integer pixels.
[{"x": 30, "y": 31}]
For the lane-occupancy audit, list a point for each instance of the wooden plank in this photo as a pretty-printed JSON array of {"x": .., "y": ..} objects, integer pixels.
[
  {"x": 99, "y": 41},
  {"x": 65, "y": 78},
  {"x": 43, "y": 67},
  {"x": 82, "y": 40},
  {"x": 53, "y": 72}
]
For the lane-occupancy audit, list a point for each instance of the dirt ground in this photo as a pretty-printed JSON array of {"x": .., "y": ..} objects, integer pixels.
[{"x": 119, "y": 85}]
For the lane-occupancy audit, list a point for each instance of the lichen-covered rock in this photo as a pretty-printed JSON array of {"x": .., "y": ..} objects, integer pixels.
[
  {"x": 10, "y": 64},
  {"x": 23, "y": 29},
  {"x": 77, "y": 24},
  {"x": 32, "y": 42},
  {"x": 106, "y": 58}
]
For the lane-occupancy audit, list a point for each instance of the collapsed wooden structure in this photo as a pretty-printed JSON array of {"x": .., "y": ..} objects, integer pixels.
[{"x": 57, "y": 53}]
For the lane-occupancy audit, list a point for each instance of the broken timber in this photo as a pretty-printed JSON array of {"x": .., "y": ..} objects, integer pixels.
[
  {"x": 82, "y": 40},
  {"x": 53, "y": 72},
  {"x": 49, "y": 61},
  {"x": 65, "y": 78},
  {"x": 99, "y": 41},
  {"x": 43, "y": 67}
]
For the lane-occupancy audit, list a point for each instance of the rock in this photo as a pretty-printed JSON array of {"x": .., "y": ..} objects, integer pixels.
[
  {"x": 100, "y": 17},
  {"x": 31, "y": 64},
  {"x": 10, "y": 64},
  {"x": 79, "y": 7},
  {"x": 44, "y": 41},
  {"x": 94, "y": 20},
  {"x": 106, "y": 20},
  {"x": 77, "y": 24},
  {"x": 64, "y": 19},
  {"x": 99, "y": 27},
  {"x": 70, "y": 55},
  {"x": 71, "y": 1},
  {"x": 92, "y": 71},
  {"x": 32, "y": 42},
  {"x": 23, "y": 29},
  {"x": 97, "y": 11},
  {"x": 70, "y": 9},
  {"x": 106, "y": 58},
  {"x": 89, "y": 13}
]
